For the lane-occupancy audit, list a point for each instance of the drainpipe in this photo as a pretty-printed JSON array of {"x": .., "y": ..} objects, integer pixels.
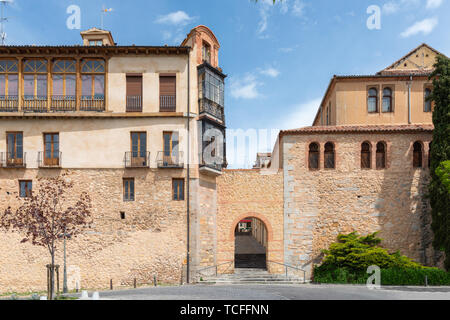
[
  {"x": 188, "y": 164},
  {"x": 409, "y": 98}
]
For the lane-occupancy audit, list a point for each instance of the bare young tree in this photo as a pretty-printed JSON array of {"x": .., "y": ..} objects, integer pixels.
[{"x": 48, "y": 215}]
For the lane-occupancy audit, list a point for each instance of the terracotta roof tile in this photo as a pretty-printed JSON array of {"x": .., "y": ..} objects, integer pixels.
[{"x": 361, "y": 128}]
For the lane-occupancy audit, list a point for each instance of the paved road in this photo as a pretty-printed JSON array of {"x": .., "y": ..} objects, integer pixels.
[{"x": 278, "y": 292}]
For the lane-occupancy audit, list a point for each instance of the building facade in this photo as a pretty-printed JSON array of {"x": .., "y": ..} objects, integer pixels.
[{"x": 142, "y": 129}]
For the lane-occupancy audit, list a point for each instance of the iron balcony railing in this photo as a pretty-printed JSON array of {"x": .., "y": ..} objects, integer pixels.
[
  {"x": 10, "y": 160},
  {"x": 9, "y": 103},
  {"x": 212, "y": 108},
  {"x": 170, "y": 160},
  {"x": 92, "y": 103},
  {"x": 49, "y": 159},
  {"x": 32, "y": 103},
  {"x": 137, "y": 159},
  {"x": 64, "y": 103},
  {"x": 167, "y": 103},
  {"x": 134, "y": 103}
]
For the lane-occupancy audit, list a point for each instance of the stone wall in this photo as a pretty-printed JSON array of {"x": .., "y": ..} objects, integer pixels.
[
  {"x": 248, "y": 193},
  {"x": 151, "y": 240},
  {"x": 318, "y": 205}
]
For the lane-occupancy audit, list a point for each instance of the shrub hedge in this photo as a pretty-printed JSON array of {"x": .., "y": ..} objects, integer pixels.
[{"x": 347, "y": 260}]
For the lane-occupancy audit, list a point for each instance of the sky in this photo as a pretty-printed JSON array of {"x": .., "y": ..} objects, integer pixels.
[{"x": 279, "y": 58}]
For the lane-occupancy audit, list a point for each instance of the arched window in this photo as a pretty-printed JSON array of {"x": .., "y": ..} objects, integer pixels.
[
  {"x": 427, "y": 103},
  {"x": 417, "y": 155},
  {"x": 381, "y": 155},
  {"x": 365, "y": 155},
  {"x": 372, "y": 100},
  {"x": 329, "y": 156},
  {"x": 429, "y": 154},
  {"x": 313, "y": 159},
  {"x": 387, "y": 100}
]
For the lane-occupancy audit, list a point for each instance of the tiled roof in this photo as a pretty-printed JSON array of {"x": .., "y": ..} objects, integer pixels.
[
  {"x": 420, "y": 72},
  {"x": 361, "y": 128}
]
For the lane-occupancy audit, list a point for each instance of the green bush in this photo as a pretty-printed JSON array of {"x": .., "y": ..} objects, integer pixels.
[{"x": 347, "y": 260}]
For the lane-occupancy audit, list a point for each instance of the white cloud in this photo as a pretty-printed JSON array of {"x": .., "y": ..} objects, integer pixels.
[
  {"x": 298, "y": 8},
  {"x": 175, "y": 18},
  {"x": 433, "y": 4},
  {"x": 390, "y": 7},
  {"x": 424, "y": 26},
  {"x": 271, "y": 72},
  {"x": 246, "y": 88},
  {"x": 302, "y": 115}
]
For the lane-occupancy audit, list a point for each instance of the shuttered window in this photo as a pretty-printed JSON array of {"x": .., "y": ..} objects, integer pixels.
[
  {"x": 381, "y": 155},
  {"x": 329, "y": 156},
  {"x": 167, "y": 92},
  {"x": 313, "y": 159},
  {"x": 134, "y": 93}
]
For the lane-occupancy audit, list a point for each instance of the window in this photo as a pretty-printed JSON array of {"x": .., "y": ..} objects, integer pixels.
[
  {"x": 139, "y": 148},
  {"x": 14, "y": 141},
  {"x": 329, "y": 156},
  {"x": 25, "y": 188},
  {"x": 417, "y": 155},
  {"x": 134, "y": 93},
  {"x": 213, "y": 88},
  {"x": 381, "y": 155},
  {"x": 51, "y": 149},
  {"x": 167, "y": 93},
  {"x": 8, "y": 79},
  {"x": 365, "y": 155},
  {"x": 427, "y": 102},
  {"x": 93, "y": 78},
  {"x": 170, "y": 153},
  {"x": 387, "y": 100},
  {"x": 178, "y": 189},
  {"x": 206, "y": 52},
  {"x": 64, "y": 78},
  {"x": 35, "y": 79},
  {"x": 429, "y": 154},
  {"x": 372, "y": 100},
  {"x": 313, "y": 159},
  {"x": 95, "y": 42},
  {"x": 128, "y": 189}
]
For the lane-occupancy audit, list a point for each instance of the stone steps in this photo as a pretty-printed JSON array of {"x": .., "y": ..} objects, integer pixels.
[{"x": 252, "y": 276}]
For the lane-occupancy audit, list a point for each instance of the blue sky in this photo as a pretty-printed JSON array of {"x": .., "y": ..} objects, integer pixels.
[{"x": 279, "y": 59}]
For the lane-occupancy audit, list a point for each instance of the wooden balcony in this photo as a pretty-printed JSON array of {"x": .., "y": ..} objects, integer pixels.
[
  {"x": 46, "y": 160},
  {"x": 63, "y": 103},
  {"x": 8, "y": 160},
  {"x": 168, "y": 103},
  {"x": 172, "y": 160},
  {"x": 92, "y": 103},
  {"x": 34, "y": 103},
  {"x": 134, "y": 103},
  {"x": 9, "y": 103},
  {"x": 137, "y": 159}
]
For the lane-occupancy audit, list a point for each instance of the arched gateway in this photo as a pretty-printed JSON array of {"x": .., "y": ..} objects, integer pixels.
[{"x": 251, "y": 244}]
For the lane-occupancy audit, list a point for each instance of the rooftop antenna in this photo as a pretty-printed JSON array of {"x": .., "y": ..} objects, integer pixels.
[
  {"x": 104, "y": 11},
  {"x": 3, "y": 19}
]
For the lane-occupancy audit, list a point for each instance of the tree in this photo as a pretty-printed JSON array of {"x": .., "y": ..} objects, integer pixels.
[
  {"x": 48, "y": 215},
  {"x": 440, "y": 152}
]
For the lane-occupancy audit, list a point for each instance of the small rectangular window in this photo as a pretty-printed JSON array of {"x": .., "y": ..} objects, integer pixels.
[
  {"x": 26, "y": 187},
  {"x": 128, "y": 189},
  {"x": 178, "y": 189}
]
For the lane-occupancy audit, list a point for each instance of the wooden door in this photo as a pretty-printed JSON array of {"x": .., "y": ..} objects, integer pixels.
[
  {"x": 139, "y": 149},
  {"x": 14, "y": 154},
  {"x": 51, "y": 149},
  {"x": 170, "y": 154}
]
